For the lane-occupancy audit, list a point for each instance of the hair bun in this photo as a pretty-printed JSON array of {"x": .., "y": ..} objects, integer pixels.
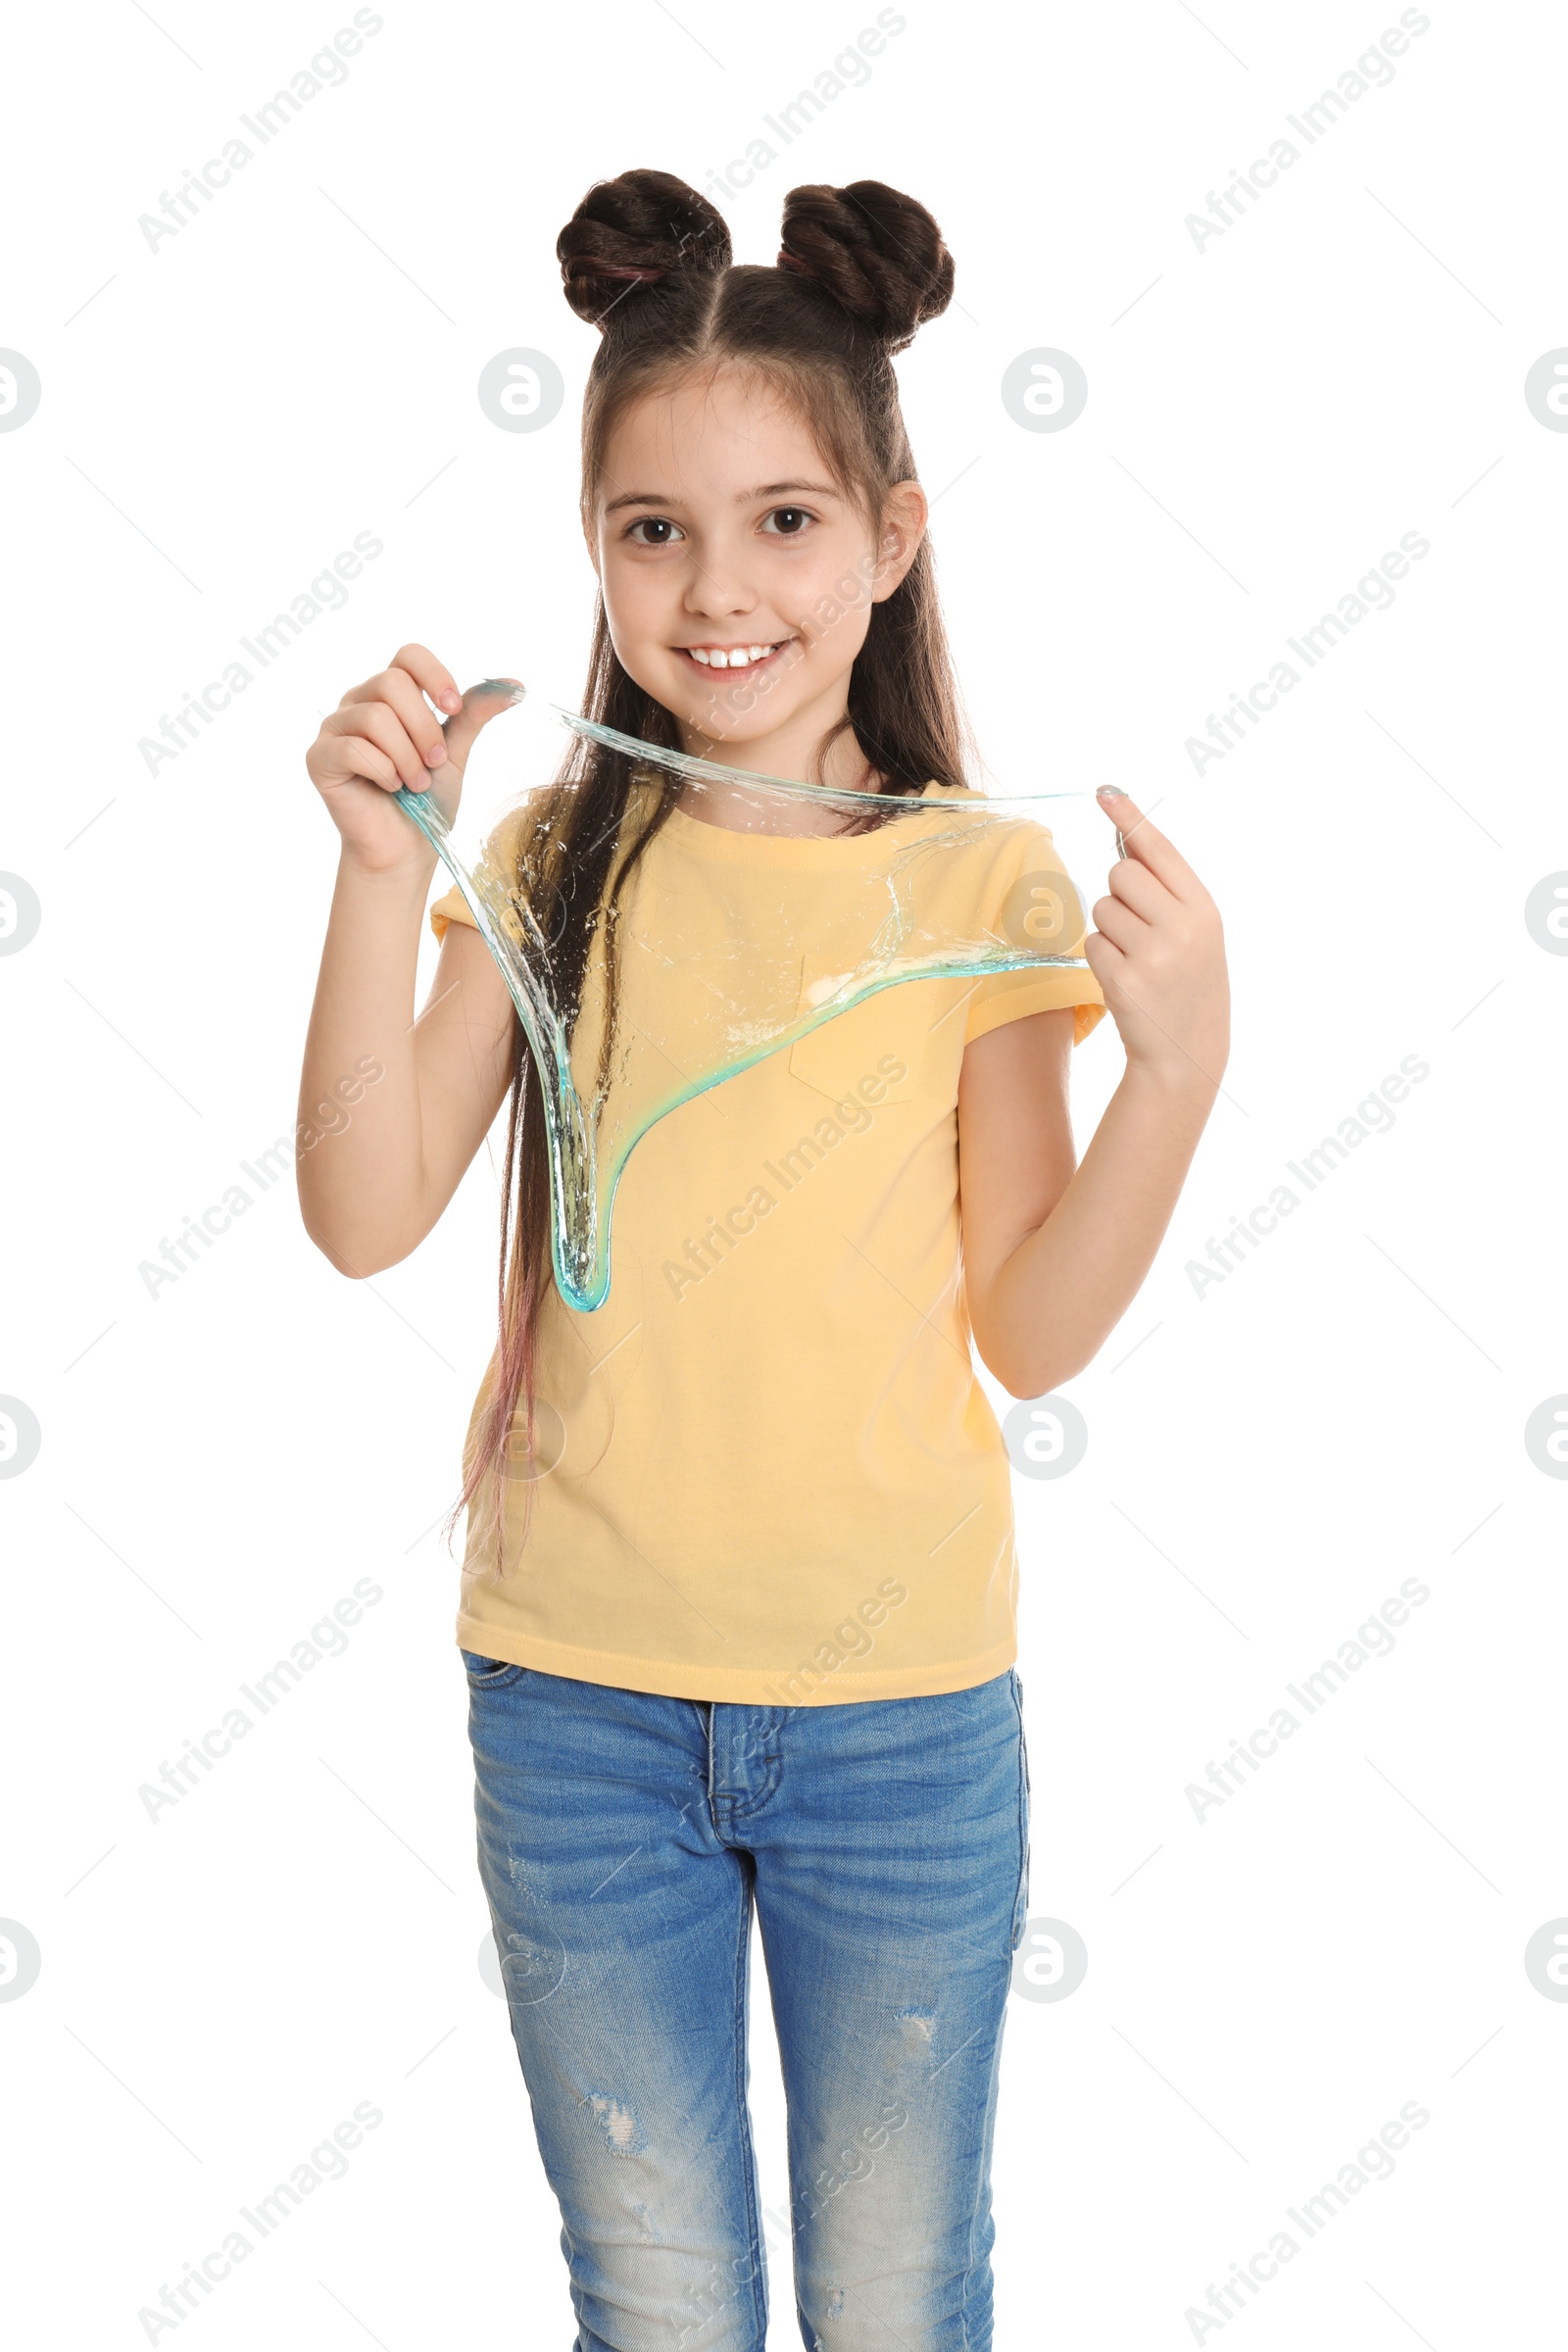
[
  {"x": 877, "y": 253},
  {"x": 639, "y": 229}
]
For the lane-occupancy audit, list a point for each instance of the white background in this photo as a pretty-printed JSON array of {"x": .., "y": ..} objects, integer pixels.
[{"x": 1266, "y": 1985}]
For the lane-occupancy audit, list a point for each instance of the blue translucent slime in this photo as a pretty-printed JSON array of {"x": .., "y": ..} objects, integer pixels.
[{"x": 943, "y": 886}]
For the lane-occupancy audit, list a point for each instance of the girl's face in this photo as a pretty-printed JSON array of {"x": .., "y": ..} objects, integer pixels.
[{"x": 738, "y": 580}]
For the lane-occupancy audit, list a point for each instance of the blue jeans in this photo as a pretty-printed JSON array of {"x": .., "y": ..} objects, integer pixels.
[{"x": 623, "y": 1840}]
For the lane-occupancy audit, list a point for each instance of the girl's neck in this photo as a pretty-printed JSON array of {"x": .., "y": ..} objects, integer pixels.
[{"x": 788, "y": 753}]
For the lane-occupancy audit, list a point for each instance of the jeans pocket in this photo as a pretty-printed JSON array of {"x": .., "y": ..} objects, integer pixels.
[{"x": 489, "y": 1673}]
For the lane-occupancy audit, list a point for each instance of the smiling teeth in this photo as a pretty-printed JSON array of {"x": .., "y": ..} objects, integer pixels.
[{"x": 739, "y": 657}]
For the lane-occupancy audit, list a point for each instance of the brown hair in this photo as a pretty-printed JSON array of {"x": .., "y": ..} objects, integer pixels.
[{"x": 647, "y": 261}]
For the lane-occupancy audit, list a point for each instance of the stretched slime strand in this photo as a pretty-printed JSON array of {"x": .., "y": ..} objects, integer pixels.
[{"x": 881, "y": 907}]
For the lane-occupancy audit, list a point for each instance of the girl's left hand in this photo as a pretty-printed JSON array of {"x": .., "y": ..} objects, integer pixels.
[{"x": 1158, "y": 953}]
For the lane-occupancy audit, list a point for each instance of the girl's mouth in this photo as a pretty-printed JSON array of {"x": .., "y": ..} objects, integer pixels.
[{"x": 728, "y": 661}]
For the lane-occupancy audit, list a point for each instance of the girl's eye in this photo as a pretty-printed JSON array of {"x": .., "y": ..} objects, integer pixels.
[
  {"x": 791, "y": 520},
  {"x": 653, "y": 522}
]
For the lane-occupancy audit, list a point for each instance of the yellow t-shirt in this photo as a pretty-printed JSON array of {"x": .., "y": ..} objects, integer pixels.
[{"x": 777, "y": 1479}]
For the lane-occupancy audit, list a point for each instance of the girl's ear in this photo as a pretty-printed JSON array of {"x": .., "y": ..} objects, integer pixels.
[
  {"x": 591, "y": 539},
  {"x": 904, "y": 521}
]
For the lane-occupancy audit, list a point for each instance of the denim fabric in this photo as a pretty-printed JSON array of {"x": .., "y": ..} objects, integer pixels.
[{"x": 624, "y": 1838}]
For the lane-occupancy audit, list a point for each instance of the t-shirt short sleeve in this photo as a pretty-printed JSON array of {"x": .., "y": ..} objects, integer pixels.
[
  {"x": 499, "y": 854},
  {"x": 1009, "y": 995},
  {"x": 451, "y": 907},
  {"x": 1029, "y": 858}
]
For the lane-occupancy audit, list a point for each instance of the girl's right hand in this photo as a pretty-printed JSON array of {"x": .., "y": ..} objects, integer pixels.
[{"x": 384, "y": 734}]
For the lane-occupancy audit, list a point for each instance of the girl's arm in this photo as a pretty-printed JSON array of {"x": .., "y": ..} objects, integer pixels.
[
  {"x": 393, "y": 1108},
  {"x": 1053, "y": 1259}
]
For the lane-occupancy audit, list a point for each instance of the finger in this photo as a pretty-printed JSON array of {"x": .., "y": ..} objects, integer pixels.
[
  {"x": 1143, "y": 840},
  {"x": 1115, "y": 920},
  {"x": 397, "y": 691},
  {"x": 433, "y": 678},
  {"x": 378, "y": 723},
  {"x": 350, "y": 759},
  {"x": 1140, "y": 889},
  {"x": 480, "y": 705},
  {"x": 1104, "y": 959}
]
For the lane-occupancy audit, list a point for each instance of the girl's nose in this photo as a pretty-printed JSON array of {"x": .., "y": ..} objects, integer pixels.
[{"x": 717, "y": 604}]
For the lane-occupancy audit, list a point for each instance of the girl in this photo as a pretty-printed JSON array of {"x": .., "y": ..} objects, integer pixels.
[{"x": 738, "y": 1598}]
